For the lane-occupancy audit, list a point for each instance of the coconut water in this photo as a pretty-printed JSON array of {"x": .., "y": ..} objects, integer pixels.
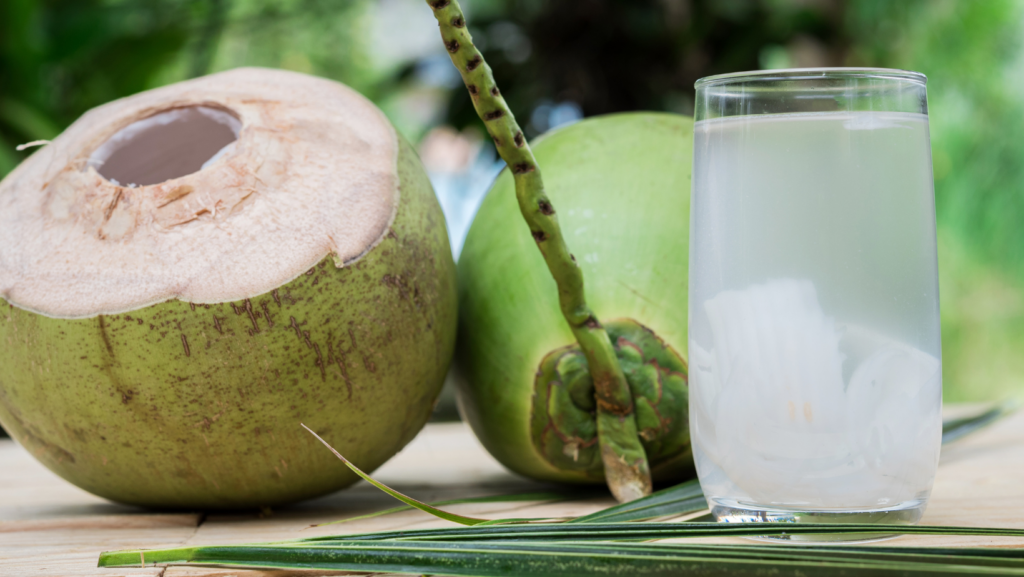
[{"x": 814, "y": 346}]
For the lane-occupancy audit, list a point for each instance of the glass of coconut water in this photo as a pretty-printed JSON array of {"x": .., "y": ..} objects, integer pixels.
[{"x": 815, "y": 371}]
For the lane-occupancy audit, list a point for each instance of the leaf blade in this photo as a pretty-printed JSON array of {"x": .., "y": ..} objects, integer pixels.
[
  {"x": 677, "y": 500},
  {"x": 954, "y": 429},
  {"x": 544, "y": 497},
  {"x": 645, "y": 531},
  {"x": 579, "y": 560},
  {"x": 455, "y": 518}
]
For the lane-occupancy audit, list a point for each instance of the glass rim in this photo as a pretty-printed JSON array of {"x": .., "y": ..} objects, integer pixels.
[{"x": 812, "y": 74}]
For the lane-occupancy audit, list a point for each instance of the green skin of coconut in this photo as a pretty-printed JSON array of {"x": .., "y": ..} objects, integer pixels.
[
  {"x": 181, "y": 405},
  {"x": 621, "y": 185}
]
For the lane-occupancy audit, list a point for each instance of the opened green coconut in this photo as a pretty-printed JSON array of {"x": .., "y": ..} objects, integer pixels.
[
  {"x": 189, "y": 273},
  {"x": 621, "y": 184}
]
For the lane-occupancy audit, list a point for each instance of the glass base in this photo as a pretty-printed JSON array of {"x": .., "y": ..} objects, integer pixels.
[{"x": 908, "y": 513}]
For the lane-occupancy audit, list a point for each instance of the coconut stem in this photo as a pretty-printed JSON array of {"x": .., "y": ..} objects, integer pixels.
[{"x": 625, "y": 463}]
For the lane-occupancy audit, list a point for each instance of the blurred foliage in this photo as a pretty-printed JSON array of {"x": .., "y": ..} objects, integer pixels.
[
  {"x": 58, "y": 58},
  {"x": 972, "y": 54},
  {"x": 619, "y": 55}
]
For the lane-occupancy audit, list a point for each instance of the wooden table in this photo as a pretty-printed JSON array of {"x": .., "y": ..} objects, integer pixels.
[{"x": 49, "y": 527}]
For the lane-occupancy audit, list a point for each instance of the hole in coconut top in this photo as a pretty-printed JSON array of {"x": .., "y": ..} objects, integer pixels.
[{"x": 167, "y": 145}]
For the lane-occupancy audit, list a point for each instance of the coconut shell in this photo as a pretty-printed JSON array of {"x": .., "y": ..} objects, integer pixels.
[
  {"x": 168, "y": 358},
  {"x": 620, "y": 185}
]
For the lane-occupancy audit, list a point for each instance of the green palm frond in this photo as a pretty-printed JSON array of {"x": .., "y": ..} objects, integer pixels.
[
  {"x": 586, "y": 559},
  {"x": 611, "y": 542}
]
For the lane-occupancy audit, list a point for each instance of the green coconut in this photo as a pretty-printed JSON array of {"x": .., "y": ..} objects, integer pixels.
[
  {"x": 190, "y": 273},
  {"x": 621, "y": 184}
]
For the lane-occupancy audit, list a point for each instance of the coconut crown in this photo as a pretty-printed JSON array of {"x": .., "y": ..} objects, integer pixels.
[{"x": 216, "y": 189}]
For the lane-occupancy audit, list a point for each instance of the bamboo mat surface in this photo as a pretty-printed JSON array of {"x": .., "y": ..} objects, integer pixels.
[{"x": 50, "y": 527}]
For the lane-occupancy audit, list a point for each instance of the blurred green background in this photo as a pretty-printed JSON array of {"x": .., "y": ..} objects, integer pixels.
[{"x": 558, "y": 60}]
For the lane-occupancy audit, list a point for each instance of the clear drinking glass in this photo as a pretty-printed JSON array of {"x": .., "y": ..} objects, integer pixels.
[{"x": 815, "y": 363}]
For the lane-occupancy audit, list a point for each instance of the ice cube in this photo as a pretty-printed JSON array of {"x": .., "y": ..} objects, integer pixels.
[{"x": 776, "y": 415}]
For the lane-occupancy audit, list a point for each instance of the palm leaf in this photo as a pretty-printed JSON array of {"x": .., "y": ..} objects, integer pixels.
[
  {"x": 648, "y": 531},
  {"x": 953, "y": 429},
  {"x": 540, "y": 497},
  {"x": 583, "y": 559},
  {"x": 460, "y": 519},
  {"x": 607, "y": 543},
  {"x": 678, "y": 500},
  {"x": 674, "y": 501}
]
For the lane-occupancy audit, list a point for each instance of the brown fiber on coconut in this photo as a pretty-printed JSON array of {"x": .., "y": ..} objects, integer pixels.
[{"x": 302, "y": 181}]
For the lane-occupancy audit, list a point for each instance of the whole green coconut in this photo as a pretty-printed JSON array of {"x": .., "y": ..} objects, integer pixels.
[
  {"x": 621, "y": 185},
  {"x": 189, "y": 273}
]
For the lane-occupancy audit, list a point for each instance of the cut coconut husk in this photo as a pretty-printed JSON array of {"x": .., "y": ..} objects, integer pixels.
[
  {"x": 188, "y": 273},
  {"x": 312, "y": 172},
  {"x": 622, "y": 185}
]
